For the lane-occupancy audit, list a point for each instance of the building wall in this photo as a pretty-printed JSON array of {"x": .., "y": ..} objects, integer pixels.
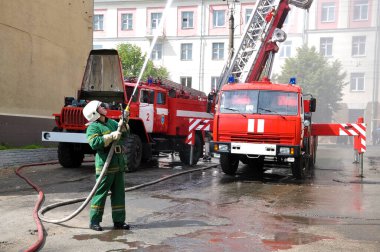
[{"x": 44, "y": 47}]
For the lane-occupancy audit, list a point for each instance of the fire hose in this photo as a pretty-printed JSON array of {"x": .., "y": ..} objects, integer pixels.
[{"x": 38, "y": 215}]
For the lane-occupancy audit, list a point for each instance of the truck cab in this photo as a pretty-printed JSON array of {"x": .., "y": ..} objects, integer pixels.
[{"x": 262, "y": 122}]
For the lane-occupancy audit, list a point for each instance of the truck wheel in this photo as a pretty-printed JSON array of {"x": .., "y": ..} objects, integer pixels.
[
  {"x": 68, "y": 156},
  {"x": 229, "y": 163},
  {"x": 300, "y": 168},
  {"x": 184, "y": 154},
  {"x": 132, "y": 149},
  {"x": 257, "y": 166}
]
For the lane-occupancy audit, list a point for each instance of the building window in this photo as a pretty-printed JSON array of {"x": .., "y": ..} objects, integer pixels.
[
  {"x": 358, "y": 45},
  {"x": 156, "y": 52},
  {"x": 248, "y": 13},
  {"x": 187, "y": 19},
  {"x": 357, "y": 82},
  {"x": 218, "y": 18},
  {"x": 186, "y": 81},
  {"x": 155, "y": 19},
  {"x": 186, "y": 51},
  {"x": 126, "y": 21},
  {"x": 325, "y": 47},
  {"x": 286, "y": 49},
  {"x": 360, "y": 10},
  {"x": 214, "y": 82},
  {"x": 217, "y": 51},
  {"x": 328, "y": 12},
  {"x": 98, "y": 22}
]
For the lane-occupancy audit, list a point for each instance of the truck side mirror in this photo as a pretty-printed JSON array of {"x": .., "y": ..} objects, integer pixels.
[{"x": 312, "y": 104}]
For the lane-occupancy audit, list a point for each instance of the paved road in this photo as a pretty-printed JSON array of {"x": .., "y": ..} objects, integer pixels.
[{"x": 208, "y": 211}]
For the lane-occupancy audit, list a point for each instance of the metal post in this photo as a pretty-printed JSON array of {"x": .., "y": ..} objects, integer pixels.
[
  {"x": 191, "y": 154},
  {"x": 361, "y": 165}
]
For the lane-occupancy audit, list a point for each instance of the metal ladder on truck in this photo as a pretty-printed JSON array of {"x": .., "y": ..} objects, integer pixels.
[{"x": 258, "y": 43}]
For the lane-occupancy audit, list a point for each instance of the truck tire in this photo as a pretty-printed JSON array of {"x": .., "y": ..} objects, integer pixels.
[
  {"x": 257, "y": 166},
  {"x": 132, "y": 149},
  {"x": 301, "y": 167},
  {"x": 229, "y": 163},
  {"x": 184, "y": 154},
  {"x": 68, "y": 157}
]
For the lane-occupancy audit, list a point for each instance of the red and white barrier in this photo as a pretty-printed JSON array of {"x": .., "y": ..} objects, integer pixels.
[
  {"x": 197, "y": 124},
  {"x": 358, "y": 130}
]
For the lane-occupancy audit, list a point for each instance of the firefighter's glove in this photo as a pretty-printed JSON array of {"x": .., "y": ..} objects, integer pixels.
[
  {"x": 116, "y": 135},
  {"x": 126, "y": 114},
  {"x": 107, "y": 139}
]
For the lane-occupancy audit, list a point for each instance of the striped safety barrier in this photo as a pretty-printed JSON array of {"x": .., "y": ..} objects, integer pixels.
[
  {"x": 358, "y": 130},
  {"x": 197, "y": 124}
]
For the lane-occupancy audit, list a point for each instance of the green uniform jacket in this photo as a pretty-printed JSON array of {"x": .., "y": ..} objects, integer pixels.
[{"x": 94, "y": 134}]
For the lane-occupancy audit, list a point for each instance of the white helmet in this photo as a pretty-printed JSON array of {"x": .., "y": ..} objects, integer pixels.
[{"x": 90, "y": 111}]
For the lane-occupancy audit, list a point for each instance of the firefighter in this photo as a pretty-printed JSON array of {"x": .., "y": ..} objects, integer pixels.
[
  {"x": 210, "y": 100},
  {"x": 101, "y": 132}
]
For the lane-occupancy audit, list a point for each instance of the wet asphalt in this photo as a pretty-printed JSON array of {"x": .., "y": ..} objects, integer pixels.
[{"x": 334, "y": 210}]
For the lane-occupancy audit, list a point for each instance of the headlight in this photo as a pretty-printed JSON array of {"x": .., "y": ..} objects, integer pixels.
[
  {"x": 285, "y": 150},
  {"x": 223, "y": 147}
]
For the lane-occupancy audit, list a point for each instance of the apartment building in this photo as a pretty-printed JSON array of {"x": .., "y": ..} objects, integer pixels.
[{"x": 193, "y": 45}]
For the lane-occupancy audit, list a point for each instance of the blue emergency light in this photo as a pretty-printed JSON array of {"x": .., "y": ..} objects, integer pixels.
[
  {"x": 231, "y": 79},
  {"x": 293, "y": 81}
]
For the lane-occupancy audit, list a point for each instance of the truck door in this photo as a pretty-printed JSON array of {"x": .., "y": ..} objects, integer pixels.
[
  {"x": 146, "y": 111},
  {"x": 161, "y": 115}
]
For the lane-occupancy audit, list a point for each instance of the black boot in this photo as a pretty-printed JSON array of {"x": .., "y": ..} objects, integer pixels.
[
  {"x": 96, "y": 227},
  {"x": 121, "y": 225}
]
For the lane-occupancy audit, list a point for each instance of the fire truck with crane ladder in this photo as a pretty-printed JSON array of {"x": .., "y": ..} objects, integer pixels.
[
  {"x": 259, "y": 122},
  {"x": 158, "y": 114}
]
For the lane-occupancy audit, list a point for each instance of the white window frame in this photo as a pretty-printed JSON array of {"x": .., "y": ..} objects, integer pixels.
[
  {"x": 286, "y": 49},
  {"x": 326, "y": 46},
  {"x": 219, "y": 18},
  {"x": 218, "y": 51},
  {"x": 187, "y": 21},
  {"x": 358, "y": 45},
  {"x": 248, "y": 13},
  {"x": 186, "y": 51},
  {"x": 357, "y": 80},
  {"x": 126, "y": 20},
  {"x": 155, "y": 18},
  {"x": 98, "y": 22},
  {"x": 328, "y": 12},
  {"x": 214, "y": 82},
  {"x": 186, "y": 81},
  {"x": 361, "y": 8},
  {"x": 156, "y": 52}
]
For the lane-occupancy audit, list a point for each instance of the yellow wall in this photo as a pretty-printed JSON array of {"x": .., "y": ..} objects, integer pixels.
[{"x": 44, "y": 45}]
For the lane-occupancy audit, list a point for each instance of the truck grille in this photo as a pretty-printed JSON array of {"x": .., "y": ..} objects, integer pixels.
[
  {"x": 73, "y": 119},
  {"x": 262, "y": 138}
]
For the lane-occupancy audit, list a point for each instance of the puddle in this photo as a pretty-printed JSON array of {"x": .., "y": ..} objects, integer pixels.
[{"x": 284, "y": 240}]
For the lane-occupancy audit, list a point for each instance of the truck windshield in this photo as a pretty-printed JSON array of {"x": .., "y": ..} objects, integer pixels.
[{"x": 259, "y": 102}]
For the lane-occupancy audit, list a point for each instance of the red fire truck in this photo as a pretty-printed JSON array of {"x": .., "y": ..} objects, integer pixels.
[
  {"x": 259, "y": 122},
  {"x": 159, "y": 114}
]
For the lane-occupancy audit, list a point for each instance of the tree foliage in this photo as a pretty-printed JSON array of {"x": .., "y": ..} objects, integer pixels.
[
  {"x": 317, "y": 76},
  {"x": 132, "y": 60}
]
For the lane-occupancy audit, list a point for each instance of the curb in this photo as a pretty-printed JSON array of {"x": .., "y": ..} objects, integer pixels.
[{"x": 15, "y": 158}]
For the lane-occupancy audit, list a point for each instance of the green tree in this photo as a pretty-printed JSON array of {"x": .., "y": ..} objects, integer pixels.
[
  {"x": 132, "y": 60},
  {"x": 317, "y": 76}
]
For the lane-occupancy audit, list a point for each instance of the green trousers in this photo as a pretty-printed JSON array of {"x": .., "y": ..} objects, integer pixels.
[{"x": 113, "y": 182}]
